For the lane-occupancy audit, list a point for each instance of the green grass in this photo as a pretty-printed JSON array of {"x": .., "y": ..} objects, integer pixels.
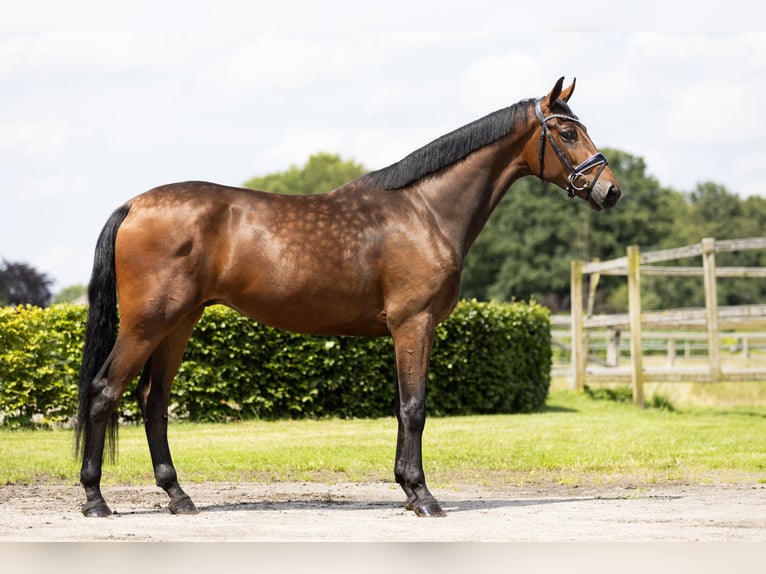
[{"x": 576, "y": 440}]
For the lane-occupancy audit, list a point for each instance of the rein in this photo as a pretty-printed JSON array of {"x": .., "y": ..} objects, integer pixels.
[{"x": 576, "y": 173}]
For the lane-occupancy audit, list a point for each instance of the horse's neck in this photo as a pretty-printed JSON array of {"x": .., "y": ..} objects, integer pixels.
[{"x": 464, "y": 196}]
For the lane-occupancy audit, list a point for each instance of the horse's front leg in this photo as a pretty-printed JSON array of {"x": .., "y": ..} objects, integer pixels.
[{"x": 412, "y": 344}]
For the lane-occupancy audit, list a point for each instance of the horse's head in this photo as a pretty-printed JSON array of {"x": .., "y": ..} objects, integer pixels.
[{"x": 565, "y": 155}]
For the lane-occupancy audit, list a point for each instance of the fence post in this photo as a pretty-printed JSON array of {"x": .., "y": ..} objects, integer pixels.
[
  {"x": 634, "y": 312},
  {"x": 578, "y": 350},
  {"x": 711, "y": 308},
  {"x": 612, "y": 347},
  {"x": 671, "y": 352}
]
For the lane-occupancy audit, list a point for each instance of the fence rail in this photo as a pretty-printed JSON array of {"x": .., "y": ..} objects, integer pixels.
[{"x": 711, "y": 318}]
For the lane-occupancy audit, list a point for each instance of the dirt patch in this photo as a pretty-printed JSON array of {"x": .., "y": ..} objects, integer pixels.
[{"x": 284, "y": 511}]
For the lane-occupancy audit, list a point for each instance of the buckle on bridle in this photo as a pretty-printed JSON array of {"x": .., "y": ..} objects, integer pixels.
[
  {"x": 597, "y": 159},
  {"x": 576, "y": 174}
]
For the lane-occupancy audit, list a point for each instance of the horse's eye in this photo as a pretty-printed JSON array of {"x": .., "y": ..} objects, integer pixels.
[{"x": 569, "y": 135}]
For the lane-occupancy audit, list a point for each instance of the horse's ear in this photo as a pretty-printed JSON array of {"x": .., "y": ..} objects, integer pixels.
[
  {"x": 566, "y": 94},
  {"x": 555, "y": 93},
  {"x": 558, "y": 93}
]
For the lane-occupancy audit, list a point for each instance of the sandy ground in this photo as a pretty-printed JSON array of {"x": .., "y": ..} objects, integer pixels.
[{"x": 372, "y": 512}]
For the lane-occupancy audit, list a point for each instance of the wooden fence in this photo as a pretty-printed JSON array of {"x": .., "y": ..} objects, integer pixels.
[{"x": 713, "y": 318}]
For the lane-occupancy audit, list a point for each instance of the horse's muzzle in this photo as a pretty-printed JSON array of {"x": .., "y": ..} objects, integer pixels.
[
  {"x": 612, "y": 196},
  {"x": 603, "y": 197}
]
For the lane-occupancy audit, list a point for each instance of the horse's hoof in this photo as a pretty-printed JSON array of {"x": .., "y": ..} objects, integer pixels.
[
  {"x": 98, "y": 509},
  {"x": 430, "y": 509},
  {"x": 182, "y": 506}
]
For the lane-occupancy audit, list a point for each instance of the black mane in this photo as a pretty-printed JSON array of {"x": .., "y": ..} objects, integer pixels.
[{"x": 450, "y": 148}]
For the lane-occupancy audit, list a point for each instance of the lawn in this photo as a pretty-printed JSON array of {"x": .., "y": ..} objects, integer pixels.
[{"x": 575, "y": 440}]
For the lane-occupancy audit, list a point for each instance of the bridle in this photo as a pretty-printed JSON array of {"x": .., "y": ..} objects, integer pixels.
[{"x": 576, "y": 174}]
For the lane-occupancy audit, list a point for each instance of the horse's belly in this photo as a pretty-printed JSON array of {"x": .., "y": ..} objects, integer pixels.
[{"x": 333, "y": 312}]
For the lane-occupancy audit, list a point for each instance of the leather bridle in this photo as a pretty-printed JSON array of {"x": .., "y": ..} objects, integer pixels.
[{"x": 577, "y": 179}]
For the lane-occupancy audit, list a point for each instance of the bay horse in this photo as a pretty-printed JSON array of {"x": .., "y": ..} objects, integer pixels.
[{"x": 379, "y": 256}]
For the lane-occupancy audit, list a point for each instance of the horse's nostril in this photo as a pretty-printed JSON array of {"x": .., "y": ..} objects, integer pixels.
[{"x": 612, "y": 196}]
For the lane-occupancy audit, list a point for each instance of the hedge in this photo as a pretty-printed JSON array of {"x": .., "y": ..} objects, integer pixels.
[
  {"x": 487, "y": 358},
  {"x": 40, "y": 353}
]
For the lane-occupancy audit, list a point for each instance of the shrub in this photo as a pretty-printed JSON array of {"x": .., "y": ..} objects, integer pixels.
[
  {"x": 40, "y": 353},
  {"x": 491, "y": 358},
  {"x": 623, "y": 394},
  {"x": 487, "y": 358},
  {"x": 236, "y": 368}
]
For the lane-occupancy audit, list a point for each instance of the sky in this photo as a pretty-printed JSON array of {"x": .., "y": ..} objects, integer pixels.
[{"x": 101, "y": 101}]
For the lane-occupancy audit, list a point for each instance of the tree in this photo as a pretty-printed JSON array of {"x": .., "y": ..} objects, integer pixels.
[
  {"x": 21, "y": 284},
  {"x": 322, "y": 172},
  {"x": 71, "y": 293},
  {"x": 716, "y": 212}
]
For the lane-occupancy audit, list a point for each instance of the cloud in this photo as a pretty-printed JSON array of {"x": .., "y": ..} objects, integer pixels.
[
  {"x": 70, "y": 185},
  {"x": 33, "y": 139},
  {"x": 276, "y": 61},
  {"x": 501, "y": 80}
]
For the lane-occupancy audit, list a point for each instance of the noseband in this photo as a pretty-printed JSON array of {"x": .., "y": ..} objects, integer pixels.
[{"x": 577, "y": 179}]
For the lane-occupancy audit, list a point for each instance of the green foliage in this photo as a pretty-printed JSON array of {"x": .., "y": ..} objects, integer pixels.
[
  {"x": 617, "y": 394},
  {"x": 321, "y": 173},
  {"x": 71, "y": 293},
  {"x": 712, "y": 211},
  {"x": 486, "y": 358},
  {"x": 661, "y": 403},
  {"x": 236, "y": 368},
  {"x": 39, "y": 361},
  {"x": 22, "y": 284},
  {"x": 491, "y": 358},
  {"x": 624, "y": 394}
]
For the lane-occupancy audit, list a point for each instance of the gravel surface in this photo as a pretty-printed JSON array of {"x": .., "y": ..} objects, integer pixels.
[{"x": 372, "y": 512}]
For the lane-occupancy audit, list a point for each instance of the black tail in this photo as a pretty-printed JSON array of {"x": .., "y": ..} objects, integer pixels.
[{"x": 100, "y": 329}]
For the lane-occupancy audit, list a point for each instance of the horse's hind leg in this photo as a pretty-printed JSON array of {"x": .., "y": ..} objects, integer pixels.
[
  {"x": 153, "y": 397},
  {"x": 124, "y": 362}
]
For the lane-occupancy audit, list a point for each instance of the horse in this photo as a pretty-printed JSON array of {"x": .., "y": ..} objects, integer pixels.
[{"x": 380, "y": 256}]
